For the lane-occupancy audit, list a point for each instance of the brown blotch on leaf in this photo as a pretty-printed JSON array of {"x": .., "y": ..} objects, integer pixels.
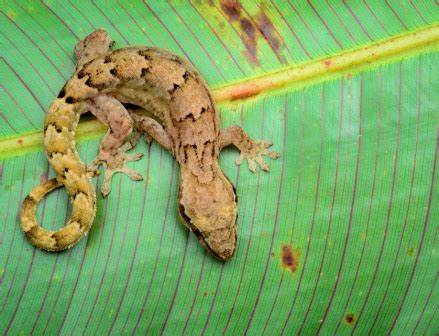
[
  {"x": 411, "y": 252},
  {"x": 327, "y": 63},
  {"x": 266, "y": 27},
  {"x": 290, "y": 258},
  {"x": 232, "y": 9},
  {"x": 244, "y": 91},
  {"x": 248, "y": 37},
  {"x": 269, "y": 33},
  {"x": 350, "y": 318}
]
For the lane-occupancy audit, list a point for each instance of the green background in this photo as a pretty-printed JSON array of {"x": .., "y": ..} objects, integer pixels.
[{"x": 354, "y": 196}]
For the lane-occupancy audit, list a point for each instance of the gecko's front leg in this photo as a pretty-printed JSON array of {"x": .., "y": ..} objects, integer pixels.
[
  {"x": 112, "y": 154},
  {"x": 251, "y": 149}
]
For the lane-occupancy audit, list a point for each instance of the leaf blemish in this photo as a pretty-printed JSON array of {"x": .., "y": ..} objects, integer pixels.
[
  {"x": 350, "y": 318},
  {"x": 290, "y": 258},
  {"x": 232, "y": 9}
]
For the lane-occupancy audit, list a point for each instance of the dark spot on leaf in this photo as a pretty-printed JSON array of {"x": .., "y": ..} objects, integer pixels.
[
  {"x": 20, "y": 141},
  {"x": 289, "y": 258},
  {"x": 349, "y": 76},
  {"x": 204, "y": 294},
  {"x": 327, "y": 63},
  {"x": 44, "y": 177},
  {"x": 232, "y": 9},
  {"x": 411, "y": 252},
  {"x": 70, "y": 100},
  {"x": 266, "y": 28},
  {"x": 248, "y": 37},
  {"x": 247, "y": 27},
  {"x": 350, "y": 318},
  {"x": 268, "y": 31}
]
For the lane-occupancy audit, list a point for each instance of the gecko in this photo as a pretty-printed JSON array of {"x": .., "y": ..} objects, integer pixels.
[{"x": 183, "y": 119}]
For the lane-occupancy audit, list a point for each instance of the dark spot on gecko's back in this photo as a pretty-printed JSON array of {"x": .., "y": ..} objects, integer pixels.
[
  {"x": 70, "y": 100},
  {"x": 113, "y": 72},
  {"x": 29, "y": 199},
  {"x": 350, "y": 318},
  {"x": 176, "y": 86},
  {"x": 144, "y": 72},
  {"x": 62, "y": 93},
  {"x": 289, "y": 258},
  {"x": 145, "y": 53},
  {"x": 186, "y": 76}
]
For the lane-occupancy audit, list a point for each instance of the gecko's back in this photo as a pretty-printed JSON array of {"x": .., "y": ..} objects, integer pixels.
[{"x": 166, "y": 86}]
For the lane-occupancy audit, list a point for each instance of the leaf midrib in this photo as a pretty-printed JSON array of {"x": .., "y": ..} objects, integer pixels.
[{"x": 293, "y": 77}]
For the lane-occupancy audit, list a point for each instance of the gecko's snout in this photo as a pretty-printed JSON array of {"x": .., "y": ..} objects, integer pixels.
[{"x": 209, "y": 211}]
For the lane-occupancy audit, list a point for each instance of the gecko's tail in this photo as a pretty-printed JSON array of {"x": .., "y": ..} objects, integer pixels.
[{"x": 61, "y": 120}]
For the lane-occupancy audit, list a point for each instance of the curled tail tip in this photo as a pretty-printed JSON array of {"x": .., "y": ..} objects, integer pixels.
[{"x": 65, "y": 237}]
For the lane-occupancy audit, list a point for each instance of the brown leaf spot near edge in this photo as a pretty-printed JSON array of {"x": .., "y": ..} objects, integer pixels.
[
  {"x": 290, "y": 258},
  {"x": 248, "y": 37},
  {"x": 269, "y": 33},
  {"x": 350, "y": 318},
  {"x": 232, "y": 9}
]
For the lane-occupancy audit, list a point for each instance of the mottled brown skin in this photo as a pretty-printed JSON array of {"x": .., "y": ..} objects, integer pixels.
[{"x": 185, "y": 122}]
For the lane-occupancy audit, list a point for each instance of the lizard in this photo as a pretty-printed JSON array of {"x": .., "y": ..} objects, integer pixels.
[{"x": 184, "y": 120}]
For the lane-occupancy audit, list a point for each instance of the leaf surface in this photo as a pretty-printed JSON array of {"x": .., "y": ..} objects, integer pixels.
[{"x": 339, "y": 237}]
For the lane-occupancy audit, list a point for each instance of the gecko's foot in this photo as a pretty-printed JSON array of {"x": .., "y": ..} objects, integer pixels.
[
  {"x": 254, "y": 155},
  {"x": 116, "y": 163}
]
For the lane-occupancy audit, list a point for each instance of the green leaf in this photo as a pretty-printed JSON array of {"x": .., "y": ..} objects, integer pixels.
[{"x": 339, "y": 237}]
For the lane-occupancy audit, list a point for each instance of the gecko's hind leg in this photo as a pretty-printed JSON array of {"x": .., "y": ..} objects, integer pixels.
[{"x": 114, "y": 145}]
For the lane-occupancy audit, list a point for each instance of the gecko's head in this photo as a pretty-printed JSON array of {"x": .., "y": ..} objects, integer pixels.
[
  {"x": 209, "y": 210},
  {"x": 94, "y": 45}
]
